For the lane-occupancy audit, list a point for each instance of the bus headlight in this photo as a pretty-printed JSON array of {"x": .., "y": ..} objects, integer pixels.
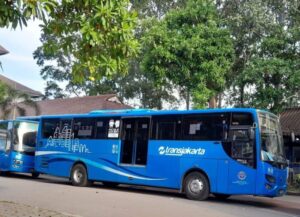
[{"x": 270, "y": 178}]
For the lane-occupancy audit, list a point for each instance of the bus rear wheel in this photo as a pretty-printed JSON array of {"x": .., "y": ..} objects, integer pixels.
[
  {"x": 196, "y": 186},
  {"x": 79, "y": 176}
]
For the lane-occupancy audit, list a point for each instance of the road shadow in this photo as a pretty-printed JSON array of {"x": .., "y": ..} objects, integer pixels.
[{"x": 242, "y": 201}]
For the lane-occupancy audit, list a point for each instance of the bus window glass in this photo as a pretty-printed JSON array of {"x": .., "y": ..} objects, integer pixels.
[
  {"x": 113, "y": 128},
  {"x": 101, "y": 128},
  {"x": 65, "y": 129},
  {"x": 50, "y": 126},
  {"x": 166, "y": 130},
  {"x": 84, "y": 128},
  {"x": 24, "y": 139},
  {"x": 166, "y": 127},
  {"x": 242, "y": 147},
  {"x": 241, "y": 119},
  {"x": 204, "y": 127},
  {"x": 3, "y": 136}
]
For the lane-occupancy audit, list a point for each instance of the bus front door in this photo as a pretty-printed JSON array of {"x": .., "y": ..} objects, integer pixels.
[
  {"x": 241, "y": 171},
  {"x": 135, "y": 135}
]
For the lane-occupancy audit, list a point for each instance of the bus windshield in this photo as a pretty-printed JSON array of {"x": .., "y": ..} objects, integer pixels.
[
  {"x": 272, "y": 147},
  {"x": 24, "y": 138}
]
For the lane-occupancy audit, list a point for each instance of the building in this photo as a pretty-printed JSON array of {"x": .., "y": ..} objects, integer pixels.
[
  {"x": 77, "y": 105},
  {"x": 290, "y": 124},
  {"x": 20, "y": 87}
]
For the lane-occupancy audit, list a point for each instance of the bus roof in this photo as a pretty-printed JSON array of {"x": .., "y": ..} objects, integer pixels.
[{"x": 148, "y": 112}]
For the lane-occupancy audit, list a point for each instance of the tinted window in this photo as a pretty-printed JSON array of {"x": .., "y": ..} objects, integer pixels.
[
  {"x": 241, "y": 119},
  {"x": 84, "y": 128},
  {"x": 3, "y": 135},
  {"x": 49, "y": 127},
  {"x": 204, "y": 127},
  {"x": 107, "y": 128},
  {"x": 166, "y": 127},
  {"x": 101, "y": 128}
]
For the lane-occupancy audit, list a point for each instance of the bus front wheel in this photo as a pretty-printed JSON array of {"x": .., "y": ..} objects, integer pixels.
[
  {"x": 35, "y": 175},
  {"x": 196, "y": 186},
  {"x": 79, "y": 176}
]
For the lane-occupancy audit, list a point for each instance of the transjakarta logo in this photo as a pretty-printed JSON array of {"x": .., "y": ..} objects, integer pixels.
[{"x": 162, "y": 150}]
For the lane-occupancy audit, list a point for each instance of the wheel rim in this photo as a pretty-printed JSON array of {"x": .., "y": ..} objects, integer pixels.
[
  {"x": 77, "y": 176},
  {"x": 196, "y": 186}
]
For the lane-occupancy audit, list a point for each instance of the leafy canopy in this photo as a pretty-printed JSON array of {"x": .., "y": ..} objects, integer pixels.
[
  {"x": 97, "y": 36},
  {"x": 191, "y": 49},
  {"x": 15, "y": 13}
]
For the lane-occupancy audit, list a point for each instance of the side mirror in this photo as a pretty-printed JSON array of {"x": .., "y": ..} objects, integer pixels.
[{"x": 251, "y": 133}]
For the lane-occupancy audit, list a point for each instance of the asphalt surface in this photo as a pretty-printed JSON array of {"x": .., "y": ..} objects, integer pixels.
[{"x": 50, "y": 196}]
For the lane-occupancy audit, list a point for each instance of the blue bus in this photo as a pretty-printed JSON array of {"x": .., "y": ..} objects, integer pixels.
[
  {"x": 220, "y": 151},
  {"x": 17, "y": 146}
]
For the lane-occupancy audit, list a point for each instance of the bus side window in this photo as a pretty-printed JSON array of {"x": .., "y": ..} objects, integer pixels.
[
  {"x": 241, "y": 119},
  {"x": 101, "y": 128},
  {"x": 9, "y": 135},
  {"x": 204, "y": 127},
  {"x": 49, "y": 127},
  {"x": 3, "y": 136},
  {"x": 108, "y": 128},
  {"x": 84, "y": 128},
  {"x": 166, "y": 128}
]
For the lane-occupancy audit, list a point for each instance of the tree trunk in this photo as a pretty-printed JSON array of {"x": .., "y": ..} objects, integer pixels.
[
  {"x": 242, "y": 96},
  {"x": 220, "y": 95},
  {"x": 187, "y": 99},
  {"x": 212, "y": 102}
]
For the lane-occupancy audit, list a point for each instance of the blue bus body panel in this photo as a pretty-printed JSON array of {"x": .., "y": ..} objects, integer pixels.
[
  {"x": 8, "y": 162},
  {"x": 167, "y": 161}
]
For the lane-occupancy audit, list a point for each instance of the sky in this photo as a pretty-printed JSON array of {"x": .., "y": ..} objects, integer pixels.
[{"x": 19, "y": 64}]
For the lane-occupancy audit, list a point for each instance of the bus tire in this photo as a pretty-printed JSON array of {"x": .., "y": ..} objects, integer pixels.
[
  {"x": 35, "y": 175},
  {"x": 79, "y": 176},
  {"x": 196, "y": 186},
  {"x": 221, "y": 196}
]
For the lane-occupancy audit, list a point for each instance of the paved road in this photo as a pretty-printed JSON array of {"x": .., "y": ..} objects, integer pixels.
[{"x": 57, "y": 195}]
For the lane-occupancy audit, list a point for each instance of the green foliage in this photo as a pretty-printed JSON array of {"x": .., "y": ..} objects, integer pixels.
[
  {"x": 266, "y": 38},
  {"x": 297, "y": 181},
  {"x": 155, "y": 8},
  {"x": 190, "y": 49},
  {"x": 15, "y": 13},
  {"x": 10, "y": 102},
  {"x": 96, "y": 35}
]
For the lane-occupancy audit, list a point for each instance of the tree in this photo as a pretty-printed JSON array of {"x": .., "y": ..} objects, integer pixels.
[
  {"x": 17, "y": 12},
  {"x": 96, "y": 35},
  {"x": 266, "y": 39},
  {"x": 190, "y": 49},
  {"x": 12, "y": 100},
  {"x": 135, "y": 86},
  {"x": 155, "y": 8}
]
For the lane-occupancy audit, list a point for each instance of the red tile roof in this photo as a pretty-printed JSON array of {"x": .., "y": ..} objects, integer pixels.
[
  {"x": 77, "y": 105},
  {"x": 20, "y": 87},
  {"x": 290, "y": 121}
]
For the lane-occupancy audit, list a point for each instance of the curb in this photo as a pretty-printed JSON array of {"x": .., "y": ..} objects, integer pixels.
[{"x": 293, "y": 193}]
